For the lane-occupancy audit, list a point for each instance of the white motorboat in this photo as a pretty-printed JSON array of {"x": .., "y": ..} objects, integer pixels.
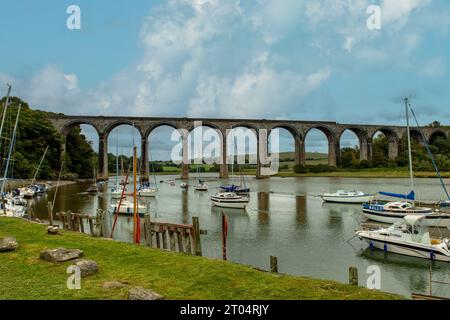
[
  {"x": 13, "y": 207},
  {"x": 408, "y": 237},
  {"x": 346, "y": 196},
  {"x": 27, "y": 192},
  {"x": 127, "y": 207},
  {"x": 393, "y": 212},
  {"x": 229, "y": 200},
  {"x": 183, "y": 185},
  {"x": 147, "y": 192}
]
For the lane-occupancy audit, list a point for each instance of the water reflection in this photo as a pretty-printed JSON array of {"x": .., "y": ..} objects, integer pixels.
[
  {"x": 300, "y": 209},
  {"x": 284, "y": 218}
]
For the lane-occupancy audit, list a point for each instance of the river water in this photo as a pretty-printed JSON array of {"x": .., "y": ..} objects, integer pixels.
[{"x": 308, "y": 237}]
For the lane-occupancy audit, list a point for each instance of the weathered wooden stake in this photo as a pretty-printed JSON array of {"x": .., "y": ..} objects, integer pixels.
[
  {"x": 164, "y": 238},
  {"x": 273, "y": 264},
  {"x": 148, "y": 230},
  {"x": 180, "y": 240},
  {"x": 91, "y": 226},
  {"x": 172, "y": 239},
  {"x": 197, "y": 241},
  {"x": 50, "y": 213},
  {"x": 187, "y": 242},
  {"x": 353, "y": 276}
]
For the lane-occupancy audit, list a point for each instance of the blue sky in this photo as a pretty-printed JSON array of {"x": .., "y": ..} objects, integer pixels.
[{"x": 293, "y": 59}]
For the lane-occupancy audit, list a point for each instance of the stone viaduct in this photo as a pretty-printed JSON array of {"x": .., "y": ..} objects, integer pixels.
[{"x": 299, "y": 129}]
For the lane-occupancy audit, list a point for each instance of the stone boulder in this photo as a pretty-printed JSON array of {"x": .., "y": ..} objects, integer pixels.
[
  {"x": 87, "y": 267},
  {"x": 114, "y": 285},
  {"x": 140, "y": 293},
  {"x": 61, "y": 254},
  {"x": 53, "y": 230},
  {"x": 8, "y": 244}
]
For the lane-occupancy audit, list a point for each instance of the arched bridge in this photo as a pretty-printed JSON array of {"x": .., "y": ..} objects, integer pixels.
[{"x": 298, "y": 129}]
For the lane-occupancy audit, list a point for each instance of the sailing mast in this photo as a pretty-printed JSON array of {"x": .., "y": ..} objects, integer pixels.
[
  {"x": 408, "y": 134},
  {"x": 11, "y": 145},
  {"x": 39, "y": 166},
  {"x": 4, "y": 111},
  {"x": 137, "y": 223},
  {"x": 117, "y": 159}
]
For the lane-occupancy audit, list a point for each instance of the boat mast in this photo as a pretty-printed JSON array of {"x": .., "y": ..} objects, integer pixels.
[
  {"x": 11, "y": 145},
  {"x": 408, "y": 134},
  {"x": 117, "y": 159},
  {"x": 4, "y": 111},
  {"x": 135, "y": 209},
  {"x": 39, "y": 166}
]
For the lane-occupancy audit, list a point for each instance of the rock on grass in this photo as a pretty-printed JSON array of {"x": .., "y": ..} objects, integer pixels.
[
  {"x": 87, "y": 267},
  {"x": 61, "y": 254},
  {"x": 140, "y": 293},
  {"x": 8, "y": 244}
]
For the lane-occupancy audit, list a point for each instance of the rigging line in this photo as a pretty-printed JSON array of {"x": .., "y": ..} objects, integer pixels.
[
  {"x": 11, "y": 145},
  {"x": 5, "y": 109},
  {"x": 430, "y": 153}
]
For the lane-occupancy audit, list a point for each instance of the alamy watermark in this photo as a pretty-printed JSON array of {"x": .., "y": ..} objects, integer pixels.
[
  {"x": 74, "y": 280},
  {"x": 73, "y": 21},
  {"x": 373, "y": 22}
]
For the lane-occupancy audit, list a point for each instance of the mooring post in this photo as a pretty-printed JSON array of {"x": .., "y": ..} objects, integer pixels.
[
  {"x": 50, "y": 213},
  {"x": 197, "y": 241},
  {"x": 353, "y": 276},
  {"x": 148, "y": 230},
  {"x": 273, "y": 264}
]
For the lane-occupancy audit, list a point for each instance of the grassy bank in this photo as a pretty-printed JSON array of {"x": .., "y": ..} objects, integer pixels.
[{"x": 174, "y": 275}]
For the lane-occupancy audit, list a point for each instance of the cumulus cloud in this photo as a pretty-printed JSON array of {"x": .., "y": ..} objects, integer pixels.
[{"x": 236, "y": 59}]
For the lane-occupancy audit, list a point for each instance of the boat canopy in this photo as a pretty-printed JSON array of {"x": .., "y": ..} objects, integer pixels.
[
  {"x": 413, "y": 219},
  {"x": 410, "y": 196}
]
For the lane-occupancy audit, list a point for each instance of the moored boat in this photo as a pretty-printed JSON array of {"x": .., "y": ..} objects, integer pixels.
[
  {"x": 408, "y": 237},
  {"x": 346, "y": 196},
  {"x": 229, "y": 200},
  {"x": 393, "y": 212},
  {"x": 127, "y": 208}
]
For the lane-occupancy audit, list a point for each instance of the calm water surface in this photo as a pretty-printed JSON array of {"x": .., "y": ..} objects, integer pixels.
[{"x": 308, "y": 237}]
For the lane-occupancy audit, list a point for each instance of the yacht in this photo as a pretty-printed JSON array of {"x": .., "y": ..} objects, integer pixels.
[
  {"x": 229, "y": 200},
  {"x": 393, "y": 212},
  {"x": 127, "y": 208},
  {"x": 408, "y": 237},
  {"x": 201, "y": 186},
  {"x": 147, "y": 191},
  {"x": 346, "y": 196}
]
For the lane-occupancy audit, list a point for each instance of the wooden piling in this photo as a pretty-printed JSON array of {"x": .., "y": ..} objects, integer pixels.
[
  {"x": 180, "y": 239},
  {"x": 273, "y": 264},
  {"x": 164, "y": 237},
  {"x": 91, "y": 225},
  {"x": 187, "y": 241},
  {"x": 196, "y": 235},
  {"x": 353, "y": 276},
  {"x": 148, "y": 230},
  {"x": 172, "y": 238}
]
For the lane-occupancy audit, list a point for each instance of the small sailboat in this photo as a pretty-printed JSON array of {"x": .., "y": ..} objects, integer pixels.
[
  {"x": 127, "y": 208},
  {"x": 229, "y": 200},
  {"x": 146, "y": 190},
  {"x": 10, "y": 206},
  {"x": 408, "y": 237},
  {"x": 347, "y": 196},
  {"x": 241, "y": 189},
  {"x": 201, "y": 185},
  {"x": 395, "y": 211}
]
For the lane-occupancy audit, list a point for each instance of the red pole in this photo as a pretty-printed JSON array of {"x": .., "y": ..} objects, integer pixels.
[{"x": 224, "y": 236}]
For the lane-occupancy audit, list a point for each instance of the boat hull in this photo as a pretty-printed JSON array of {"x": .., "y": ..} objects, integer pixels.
[
  {"x": 229, "y": 204},
  {"x": 431, "y": 220},
  {"x": 405, "y": 249},
  {"x": 347, "y": 199}
]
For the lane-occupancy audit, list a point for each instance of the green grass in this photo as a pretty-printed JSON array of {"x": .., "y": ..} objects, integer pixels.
[{"x": 174, "y": 275}]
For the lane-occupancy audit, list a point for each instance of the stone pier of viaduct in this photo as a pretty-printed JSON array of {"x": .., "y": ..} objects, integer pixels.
[{"x": 298, "y": 129}]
